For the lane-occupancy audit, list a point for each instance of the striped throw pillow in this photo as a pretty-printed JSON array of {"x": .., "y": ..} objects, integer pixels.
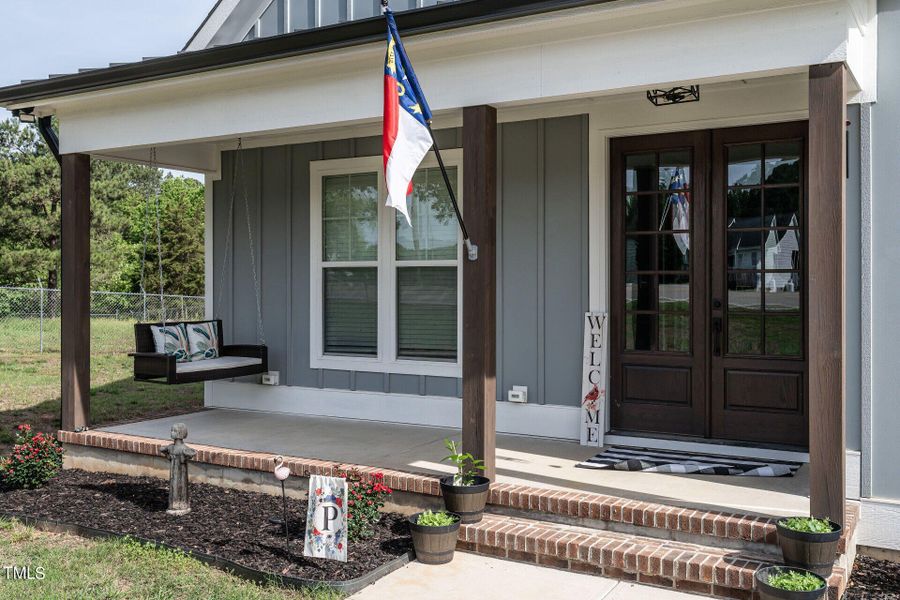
[
  {"x": 203, "y": 340},
  {"x": 171, "y": 340}
]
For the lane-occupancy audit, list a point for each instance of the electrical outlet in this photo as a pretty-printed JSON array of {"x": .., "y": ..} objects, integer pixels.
[
  {"x": 518, "y": 394},
  {"x": 270, "y": 378}
]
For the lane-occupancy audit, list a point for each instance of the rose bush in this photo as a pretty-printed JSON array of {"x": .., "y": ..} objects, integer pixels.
[
  {"x": 366, "y": 494},
  {"x": 36, "y": 458}
]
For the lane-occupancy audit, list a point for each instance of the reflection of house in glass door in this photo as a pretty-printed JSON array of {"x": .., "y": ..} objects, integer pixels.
[{"x": 708, "y": 336}]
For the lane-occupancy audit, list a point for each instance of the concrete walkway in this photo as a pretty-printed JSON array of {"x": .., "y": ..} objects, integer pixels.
[{"x": 475, "y": 576}]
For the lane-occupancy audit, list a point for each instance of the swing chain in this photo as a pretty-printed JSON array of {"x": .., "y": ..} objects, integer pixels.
[
  {"x": 238, "y": 165},
  {"x": 152, "y": 191}
]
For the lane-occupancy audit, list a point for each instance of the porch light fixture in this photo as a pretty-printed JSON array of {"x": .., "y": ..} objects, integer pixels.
[
  {"x": 675, "y": 95},
  {"x": 25, "y": 115}
]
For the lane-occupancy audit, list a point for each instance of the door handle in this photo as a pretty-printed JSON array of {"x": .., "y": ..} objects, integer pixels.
[{"x": 717, "y": 336}]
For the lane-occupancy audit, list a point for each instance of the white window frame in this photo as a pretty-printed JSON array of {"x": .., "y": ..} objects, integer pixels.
[{"x": 386, "y": 359}]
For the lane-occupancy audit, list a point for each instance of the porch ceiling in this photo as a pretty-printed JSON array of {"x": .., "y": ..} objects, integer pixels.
[
  {"x": 521, "y": 460},
  {"x": 594, "y": 49}
]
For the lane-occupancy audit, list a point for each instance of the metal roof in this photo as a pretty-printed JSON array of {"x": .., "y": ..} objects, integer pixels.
[{"x": 425, "y": 20}]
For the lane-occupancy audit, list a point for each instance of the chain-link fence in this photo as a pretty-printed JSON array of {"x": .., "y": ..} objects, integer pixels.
[{"x": 30, "y": 318}]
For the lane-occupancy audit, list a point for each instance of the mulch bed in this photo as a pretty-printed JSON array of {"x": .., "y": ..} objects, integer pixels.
[
  {"x": 229, "y": 524},
  {"x": 873, "y": 578}
]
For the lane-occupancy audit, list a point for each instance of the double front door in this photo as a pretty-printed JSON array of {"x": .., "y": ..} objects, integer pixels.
[{"x": 708, "y": 273}]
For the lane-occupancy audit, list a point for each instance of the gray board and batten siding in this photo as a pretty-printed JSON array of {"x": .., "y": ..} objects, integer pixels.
[{"x": 542, "y": 260}]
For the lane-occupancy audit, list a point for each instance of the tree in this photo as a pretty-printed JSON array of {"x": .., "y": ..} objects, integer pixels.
[{"x": 30, "y": 226}]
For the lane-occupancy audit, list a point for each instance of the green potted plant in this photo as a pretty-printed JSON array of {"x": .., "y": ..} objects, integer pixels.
[
  {"x": 434, "y": 536},
  {"x": 809, "y": 543},
  {"x": 465, "y": 493},
  {"x": 784, "y": 583}
]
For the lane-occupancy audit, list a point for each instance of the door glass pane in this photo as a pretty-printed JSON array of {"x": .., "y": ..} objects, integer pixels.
[
  {"x": 638, "y": 292},
  {"x": 675, "y": 211},
  {"x": 426, "y": 313},
  {"x": 351, "y": 311},
  {"x": 783, "y": 249},
  {"x": 674, "y": 293},
  {"x": 674, "y": 333},
  {"x": 640, "y": 173},
  {"x": 639, "y": 331},
  {"x": 783, "y": 291},
  {"x": 433, "y": 235},
  {"x": 640, "y": 213},
  {"x": 640, "y": 253},
  {"x": 744, "y": 334},
  {"x": 744, "y": 208},
  {"x": 745, "y": 250},
  {"x": 783, "y": 162},
  {"x": 784, "y": 335},
  {"x": 744, "y": 293},
  {"x": 674, "y": 251},
  {"x": 349, "y": 217},
  {"x": 744, "y": 164},
  {"x": 782, "y": 207},
  {"x": 303, "y": 14},
  {"x": 675, "y": 170}
]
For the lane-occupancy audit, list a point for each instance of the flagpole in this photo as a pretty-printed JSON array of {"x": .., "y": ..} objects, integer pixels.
[{"x": 471, "y": 248}]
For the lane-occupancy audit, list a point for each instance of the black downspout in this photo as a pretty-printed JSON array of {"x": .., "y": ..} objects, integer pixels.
[{"x": 44, "y": 125}]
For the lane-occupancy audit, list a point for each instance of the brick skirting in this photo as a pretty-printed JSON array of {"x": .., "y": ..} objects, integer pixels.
[{"x": 585, "y": 506}]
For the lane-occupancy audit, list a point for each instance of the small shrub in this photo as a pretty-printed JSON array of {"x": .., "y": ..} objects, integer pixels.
[
  {"x": 366, "y": 495},
  {"x": 36, "y": 459},
  {"x": 807, "y": 524},
  {"x": 467, "y": 466},
  {"x": 436, "y": 519},
  {"x": 794, "y": 581}
]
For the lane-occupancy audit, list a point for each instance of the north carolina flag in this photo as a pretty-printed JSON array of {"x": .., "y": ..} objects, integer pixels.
[{"x": 406, "y": 138}]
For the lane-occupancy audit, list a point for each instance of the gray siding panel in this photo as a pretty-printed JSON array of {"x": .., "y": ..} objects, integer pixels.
[
  {"x": 885, "y": 420},
  {"x": 543, "y": 206}
]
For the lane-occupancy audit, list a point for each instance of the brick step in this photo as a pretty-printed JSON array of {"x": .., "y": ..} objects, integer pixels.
[{"x": 665, "y": 563}]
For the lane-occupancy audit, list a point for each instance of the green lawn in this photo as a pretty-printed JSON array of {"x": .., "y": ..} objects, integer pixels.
[
  {"x": 76, "y": 568},
  {"x": 29, "y": 382}
]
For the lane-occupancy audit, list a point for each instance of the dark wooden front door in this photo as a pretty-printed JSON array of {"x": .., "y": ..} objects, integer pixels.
[{"x": 708, "y": 272}]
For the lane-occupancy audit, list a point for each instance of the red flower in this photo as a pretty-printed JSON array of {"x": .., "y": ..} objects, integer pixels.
[
  {"x": 350, "y": 503},
  {"x": 339, "y": 502},
  {"x": 318, "y": 491},
  {"x": 316, "y": 531},
  {"x": 340, "y": 546},
  {"x": 349, "y": 516}
]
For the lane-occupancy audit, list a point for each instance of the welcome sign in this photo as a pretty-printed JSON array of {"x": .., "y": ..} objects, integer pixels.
[
  {"x": 593, "y": 379},
  {"x": 326, "y": 519}
]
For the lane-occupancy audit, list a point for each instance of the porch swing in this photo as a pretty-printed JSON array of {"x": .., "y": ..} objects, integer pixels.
[{"x": 153, "y": 363}]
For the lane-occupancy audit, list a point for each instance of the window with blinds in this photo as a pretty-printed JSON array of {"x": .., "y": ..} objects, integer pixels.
[
  {"x": 426, "y": 255},
  {"x": 350, "y": 264},
  {"x": 385, "y": 297}
]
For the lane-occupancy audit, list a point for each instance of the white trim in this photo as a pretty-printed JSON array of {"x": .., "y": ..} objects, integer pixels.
[
  {"x": 538, "y": 420},
  {"x": 704, "y": 447},
  {"x": 852, "y": 465},
  {"x": 209, "y": 270},
  {"x": 386, "y": 360}
]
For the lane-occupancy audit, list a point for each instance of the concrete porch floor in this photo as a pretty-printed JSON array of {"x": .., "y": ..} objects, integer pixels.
[{"x": 523, "y": 460}]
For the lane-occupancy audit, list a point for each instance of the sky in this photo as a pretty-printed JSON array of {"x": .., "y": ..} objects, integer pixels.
[{"x": 60, "y": 36}]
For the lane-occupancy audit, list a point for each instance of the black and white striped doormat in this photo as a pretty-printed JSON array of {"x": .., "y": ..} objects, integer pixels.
[{"x": 674, "y": 461}]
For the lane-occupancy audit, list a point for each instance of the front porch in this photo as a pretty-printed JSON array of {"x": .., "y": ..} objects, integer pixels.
[{"x": 521, "y": 460}]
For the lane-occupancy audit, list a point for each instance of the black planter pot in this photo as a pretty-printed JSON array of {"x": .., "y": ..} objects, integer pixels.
[
  {"x": 433, "y": 545},
  {"x": 767, "y": 592},
  {"x": 466, "y": 500},
  {"x": 815, "y": 552}
]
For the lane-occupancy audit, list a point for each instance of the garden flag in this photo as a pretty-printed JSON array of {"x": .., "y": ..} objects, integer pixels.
[
  {"x": 326, "y": 521},
  {"x": 406, "y": 137}
]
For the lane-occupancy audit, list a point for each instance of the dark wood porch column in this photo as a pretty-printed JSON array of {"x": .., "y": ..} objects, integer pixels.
[
  {"x": 479, "y": 362},
  {"x": 827, "y": 156},
  {"x": 76, "y": 290}
]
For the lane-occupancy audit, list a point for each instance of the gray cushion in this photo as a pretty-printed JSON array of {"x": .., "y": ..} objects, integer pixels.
[{"x": 211, "y": 364}]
